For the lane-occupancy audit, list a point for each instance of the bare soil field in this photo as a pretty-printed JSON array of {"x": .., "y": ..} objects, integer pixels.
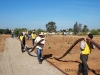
[
  {"x": 57, "y": 45},
  {"x": 2, "y": 41}
]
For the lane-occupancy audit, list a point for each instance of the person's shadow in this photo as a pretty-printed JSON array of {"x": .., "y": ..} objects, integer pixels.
[
  {"x": 92, "y": 70},
  {"x": 80, "y": 66},
  {"x": 96, "y": 72},
  {"x": 46, "y": 57}
]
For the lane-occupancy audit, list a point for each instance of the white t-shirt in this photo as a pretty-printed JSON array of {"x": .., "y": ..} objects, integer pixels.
[
  {"x": 24, "y": 33},
  {"x": 37, "y": 40}
]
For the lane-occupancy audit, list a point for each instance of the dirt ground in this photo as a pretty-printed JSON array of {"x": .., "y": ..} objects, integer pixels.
[
  {"x": 2, "y": 41},
  {"x": 57, "y": 45}
]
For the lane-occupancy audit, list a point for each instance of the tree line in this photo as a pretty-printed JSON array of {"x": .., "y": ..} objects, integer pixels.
[
  {"x": 51, "y": 27},
  {"x": 5, "y": 31},
  {"x": 77, "y": 29}
]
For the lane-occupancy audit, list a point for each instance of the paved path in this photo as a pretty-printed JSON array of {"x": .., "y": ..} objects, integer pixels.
[{"x": 14, "y": 62}]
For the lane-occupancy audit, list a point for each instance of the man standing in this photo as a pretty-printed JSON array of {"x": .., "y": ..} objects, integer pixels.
[
  {"x": 85, "y": 47},
  {"x": 33, "y": 36},
  {"x": 22, "y": 40},
  {"x": 12, "y": 33},
  {"x": 40, "y": 45}
]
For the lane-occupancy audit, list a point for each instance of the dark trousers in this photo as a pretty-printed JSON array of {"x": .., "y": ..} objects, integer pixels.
[
  {"x": 33, "y": 41},
  {"x": 83, "y": 68},
  {"x": 22, "y": 46},
  {"x": 12, "y": 35}
]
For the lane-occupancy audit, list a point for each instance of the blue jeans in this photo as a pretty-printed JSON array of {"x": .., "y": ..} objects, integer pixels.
[{"x": 39, "y": 54}]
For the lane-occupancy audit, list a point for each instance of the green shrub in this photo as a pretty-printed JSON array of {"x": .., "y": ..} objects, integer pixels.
[{"x": 95, "y": 32}]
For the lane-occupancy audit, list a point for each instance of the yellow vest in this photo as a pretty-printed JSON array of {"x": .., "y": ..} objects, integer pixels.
[
  {"x": 33, "y": 36},
  {"x": 21, "y": 38},
  {"x": 87, "y": 49},
  {"x": 27, "y": 32}
]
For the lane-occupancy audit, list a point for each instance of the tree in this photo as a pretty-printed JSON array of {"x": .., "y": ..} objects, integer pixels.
[
  {"x": 70, "y": 29},
  {"x": 2, "y": 31},
  {"x": 18, "y": 31},
  {"x": 38, "y": 31},
  {"x": 5, "y": 31},
  {"x": 80, "y": 27},
  {"x": 98, "y": 30},
  {"x": 51, "y": 27},
  {"x": 95, "y": 32},
  {"x": 61, "y": 30},
  {"x": 64, "y": 30},
  {"x": 85, "y": 29},
  {"x": 77, "y": 28}
]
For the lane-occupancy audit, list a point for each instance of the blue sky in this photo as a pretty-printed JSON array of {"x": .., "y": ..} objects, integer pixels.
[{"x": 34, "y": 14}]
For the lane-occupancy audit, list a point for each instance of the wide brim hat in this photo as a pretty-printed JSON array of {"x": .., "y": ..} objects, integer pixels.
[
  {"x": 41, "y": 33},
  {"x": 33, "y": 31}
]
